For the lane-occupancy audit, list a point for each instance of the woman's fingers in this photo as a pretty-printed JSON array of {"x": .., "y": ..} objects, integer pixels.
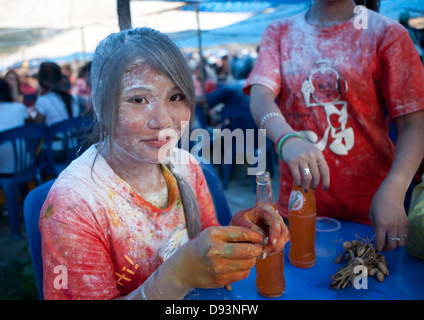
[
  {"x": 237, "y": 251},
  {"x": 235, "y": 234},
  {"x": 265, "y": 220},
  {"x": 307, "y": 165},
  {"x": 245, "y": 218}
]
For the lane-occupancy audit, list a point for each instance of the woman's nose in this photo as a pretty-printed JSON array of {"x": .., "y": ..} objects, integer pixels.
[{"x": 160, "y": 117}]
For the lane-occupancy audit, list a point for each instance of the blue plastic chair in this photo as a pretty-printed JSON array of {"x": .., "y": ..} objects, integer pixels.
[
  {"x": 68, "y": 136},
  {"x": 26, "y": 142},
  {"x": 32, "y": 207},
  {"x": 216, "y": 189}
]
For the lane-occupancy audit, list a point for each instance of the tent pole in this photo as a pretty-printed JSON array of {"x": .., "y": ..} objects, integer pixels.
[
  {"x": 83, "y": 45},
  {"x": 199, "y": 43}
]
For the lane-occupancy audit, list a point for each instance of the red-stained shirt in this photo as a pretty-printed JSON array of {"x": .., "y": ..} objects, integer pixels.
[
  {"x": 100, "y": 239},
  {"x": 330, "y": 86}
]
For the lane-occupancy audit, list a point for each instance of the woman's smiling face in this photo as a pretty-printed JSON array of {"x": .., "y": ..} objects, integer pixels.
[{"x": 153, "y": 114}]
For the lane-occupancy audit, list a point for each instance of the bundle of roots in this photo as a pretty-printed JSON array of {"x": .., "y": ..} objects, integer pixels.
[{"x": 359, "y": 252}]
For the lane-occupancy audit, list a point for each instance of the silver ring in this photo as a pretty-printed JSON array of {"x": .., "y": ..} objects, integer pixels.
[
  {"x": 306, "y": 171},
  {"x": 395, "y": 239}
]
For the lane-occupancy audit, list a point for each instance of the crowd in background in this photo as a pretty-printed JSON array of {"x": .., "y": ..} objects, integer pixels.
[
  {"x": 218, "y": 70},
  {"x": 53, "y": 92}
]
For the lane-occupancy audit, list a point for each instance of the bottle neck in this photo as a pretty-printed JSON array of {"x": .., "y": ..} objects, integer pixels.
[{"x": 264, "y": 192}]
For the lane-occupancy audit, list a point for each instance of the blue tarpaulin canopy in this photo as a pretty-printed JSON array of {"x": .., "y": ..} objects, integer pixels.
[
  {"x": 249, "y": 31},
  {"x": 236, "y": 6},
  {"x": 79, "y": 24}
]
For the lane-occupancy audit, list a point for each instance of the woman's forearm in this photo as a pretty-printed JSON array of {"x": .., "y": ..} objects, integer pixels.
[
  {"x": 409, "y": 150},
  {"x": 262, "y": 102},
  {"x": 163, "y": 284}
]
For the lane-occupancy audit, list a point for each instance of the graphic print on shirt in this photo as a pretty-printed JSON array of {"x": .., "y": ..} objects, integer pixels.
[
  {"x": 126, "y": 272},
  {"x": 177, "y": 239},
  {"x": 326, "y": 88}
]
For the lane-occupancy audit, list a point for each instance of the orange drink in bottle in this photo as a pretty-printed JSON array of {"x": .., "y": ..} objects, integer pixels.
[
  {"x": 270, "y": 281},
  {"x": 302, "y": 215}
]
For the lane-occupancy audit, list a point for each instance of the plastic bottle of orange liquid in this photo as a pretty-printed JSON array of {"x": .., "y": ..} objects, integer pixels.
[
  {"x": 302, "y": 215},
  {"x": 270, "y": 281}
]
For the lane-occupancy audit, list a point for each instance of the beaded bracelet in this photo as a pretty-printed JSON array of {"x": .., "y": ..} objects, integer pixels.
[
  {"x": 267, "y": 117},
  {"x": 283, "y": 138}
]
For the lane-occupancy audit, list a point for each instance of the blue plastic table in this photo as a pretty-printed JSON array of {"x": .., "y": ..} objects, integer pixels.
[{"x": 405, "y": 281}]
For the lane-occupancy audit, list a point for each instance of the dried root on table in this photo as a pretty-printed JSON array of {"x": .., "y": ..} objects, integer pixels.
[{"x": 357, "y": 253}]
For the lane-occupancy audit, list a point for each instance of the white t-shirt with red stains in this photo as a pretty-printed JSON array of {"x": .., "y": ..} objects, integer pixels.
[{"x": 100, "y": 239}]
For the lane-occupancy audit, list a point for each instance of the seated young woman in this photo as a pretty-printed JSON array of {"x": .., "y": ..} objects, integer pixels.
[{"x": 132, "y": 217}]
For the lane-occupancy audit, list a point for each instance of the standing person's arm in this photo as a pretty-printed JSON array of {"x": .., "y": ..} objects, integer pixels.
[
  {"x": 389, "y": 217},
  {"x": 401, "y": 80},
  {"x": 298, "y": 154}
]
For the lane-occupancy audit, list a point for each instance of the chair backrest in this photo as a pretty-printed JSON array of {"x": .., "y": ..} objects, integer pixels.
[
  {"x": 32, "y": 207},
  {"x": 216, "y": 189},
  {"x": 68, "y": 137},
  {"x": 24, "y": 143}
]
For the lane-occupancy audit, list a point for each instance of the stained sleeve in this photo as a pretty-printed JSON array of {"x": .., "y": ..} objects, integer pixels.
[
  {"x": 401, "y": 72},
  {"x": 267, "y": 69},
  {"x": 76, "y": 258}
]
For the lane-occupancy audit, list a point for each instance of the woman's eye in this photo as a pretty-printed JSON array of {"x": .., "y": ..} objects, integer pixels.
[
  {"x": 178, "y": 97},
  {"x": 139, "y": 100}
]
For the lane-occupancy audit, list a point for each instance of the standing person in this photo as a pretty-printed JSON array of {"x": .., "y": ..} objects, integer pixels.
[
  {"x": 132, "y": 217},
  {"x": 318, "y": 89},
  {"x": 55, "y": 104}
]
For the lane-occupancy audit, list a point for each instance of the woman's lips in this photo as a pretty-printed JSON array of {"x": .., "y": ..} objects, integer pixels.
[{"x": 157, "y": 143}]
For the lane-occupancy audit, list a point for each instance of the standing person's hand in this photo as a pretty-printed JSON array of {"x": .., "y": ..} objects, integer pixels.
[
  {"x": 307, "y": 164},
  {"x": 388, "y": 218}
]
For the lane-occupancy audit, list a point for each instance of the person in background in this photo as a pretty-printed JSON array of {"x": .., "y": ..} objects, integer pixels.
[
  {"x": 132, "y": 217},
  {"x": 224, "y": 71},
  {"x": 29, "y": 87},
  {"x": 12, "y": 78},
  {"x": 12, "y": 114},
  {"x": 66, "y": 69},
  {"x": 208, "y": 84},
  {"x": 82, "y": 87},
  {"x": 55, "y": 104},
  {"x": 318, "y": 88},
  {"x": 228, "y": 96},
  {"x": 413, "y": 33}
]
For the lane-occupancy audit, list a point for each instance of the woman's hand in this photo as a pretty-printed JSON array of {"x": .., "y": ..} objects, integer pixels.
[
  {"x": 307, "y": 164},
  {"x": 387, "y": 212},
  {"x": 388, "y": 218},
  {"x": 217, "y": 256},
  {"x": 266, "y": 221}
]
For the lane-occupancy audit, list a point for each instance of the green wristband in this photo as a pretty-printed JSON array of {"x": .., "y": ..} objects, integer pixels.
[{"x": 284, "y": 138}]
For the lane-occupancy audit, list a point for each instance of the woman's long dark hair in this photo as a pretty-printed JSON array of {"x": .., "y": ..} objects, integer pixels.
[
  {"x": 65, "y": 96},
  {"x": 5, "y": 91},
  {"x": 67, "y": 99},
  {"x": 370, "y": 4}
]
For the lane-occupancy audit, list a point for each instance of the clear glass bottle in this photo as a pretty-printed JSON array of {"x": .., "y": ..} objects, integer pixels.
[
  {"x": 270, "y": 280},
  {"x": 302, "y": 216}
]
